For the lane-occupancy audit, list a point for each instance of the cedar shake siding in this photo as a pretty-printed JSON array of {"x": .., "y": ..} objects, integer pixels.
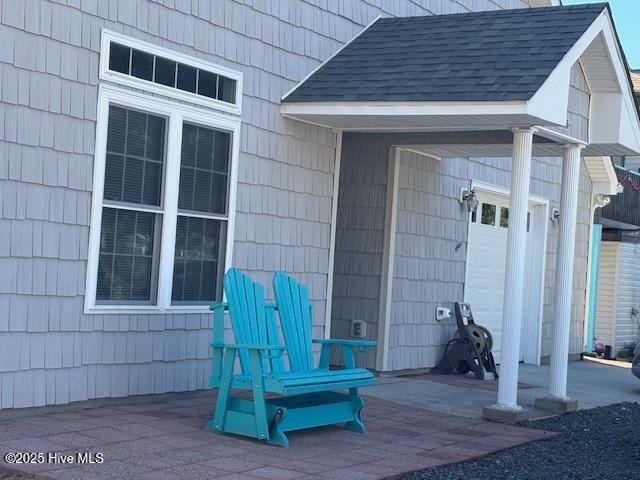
[{"x": 51, "y": 351}]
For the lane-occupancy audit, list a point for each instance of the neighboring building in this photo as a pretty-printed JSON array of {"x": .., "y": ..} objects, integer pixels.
[
  {"x": 146, "y": 147},
  {"x": 616, "y": 319},
  {"x": 633, "y": 162}
]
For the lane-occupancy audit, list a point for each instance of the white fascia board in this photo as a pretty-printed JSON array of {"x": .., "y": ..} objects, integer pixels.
[
  {"x": 629, "y": 134},
  {"x": 551, "y": 100},
  {"x": 602, "y": 174},
  {"x": 558, "y": 137},
  {"x": 613, "y": 115},
  {"x": 328, "y": 59},
  {"x": 391, "y": 109}
]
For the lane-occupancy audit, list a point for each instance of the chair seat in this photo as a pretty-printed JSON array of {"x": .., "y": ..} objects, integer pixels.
[{"x": 317, "y": 380}]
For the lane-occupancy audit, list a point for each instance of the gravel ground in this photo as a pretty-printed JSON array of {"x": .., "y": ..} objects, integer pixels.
[
  {"x": 6, "y": 475},
  {"x": 601, "y": 443}
]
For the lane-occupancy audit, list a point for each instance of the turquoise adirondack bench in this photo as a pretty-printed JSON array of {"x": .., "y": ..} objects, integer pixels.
[{"x": 304, "y": 396}]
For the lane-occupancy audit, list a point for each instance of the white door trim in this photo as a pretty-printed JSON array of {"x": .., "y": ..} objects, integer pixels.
[
  {"x": 332, "y": 239},
  {"x": 539, "y": 228},
  {"x": 388, "y": 257}
]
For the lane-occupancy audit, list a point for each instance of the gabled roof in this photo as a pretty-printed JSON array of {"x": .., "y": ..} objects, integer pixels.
[{"x": 481, "y": 56}]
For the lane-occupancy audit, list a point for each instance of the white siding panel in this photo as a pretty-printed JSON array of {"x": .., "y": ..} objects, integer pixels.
[
  {"x": 606, "y": 308},
  {"x": 627, "y": 326}
]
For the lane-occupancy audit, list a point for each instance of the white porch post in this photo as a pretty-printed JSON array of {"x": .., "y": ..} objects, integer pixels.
[
  {"x": 507, "y": 408},
  {"x": 557, "y": 399}
]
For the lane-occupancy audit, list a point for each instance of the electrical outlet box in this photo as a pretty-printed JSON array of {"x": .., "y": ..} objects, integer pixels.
[
  {"x": 358, "y": 328},
  {"x": 442, "y": 314}
]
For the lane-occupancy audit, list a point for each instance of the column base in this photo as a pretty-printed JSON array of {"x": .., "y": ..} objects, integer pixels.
[
  {"x": 556, "y": 404},
  {"x": 502, "y": 414}
]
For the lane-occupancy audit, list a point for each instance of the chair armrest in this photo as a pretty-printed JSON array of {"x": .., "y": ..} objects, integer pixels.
[
  {"x": 347, "y": 348},
  {"x": 352, "y": 343},
  {"x": 215, "y": 306},
  {"x": 248, "y": 346},
  {"x": 265, "y": 350}
]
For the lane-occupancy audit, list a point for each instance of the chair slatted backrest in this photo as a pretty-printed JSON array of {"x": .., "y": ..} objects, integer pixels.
[
  {"x": 294, "y": 311},
  {"x": 251, "y": 320}
]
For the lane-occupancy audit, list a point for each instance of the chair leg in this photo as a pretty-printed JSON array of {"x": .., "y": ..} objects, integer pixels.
[
  {"x": 276, "y": 435},
  {"x": 222, "y": 401},
  {"x": 357, "y": 404},
  {"x": 259, "y": 404}
]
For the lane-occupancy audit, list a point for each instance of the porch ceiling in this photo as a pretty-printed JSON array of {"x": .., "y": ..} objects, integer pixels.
[{"x": 478, "y": 71}]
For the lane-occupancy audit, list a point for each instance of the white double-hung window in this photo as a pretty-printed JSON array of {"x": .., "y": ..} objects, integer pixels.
[{"x": 164, "y": 179}]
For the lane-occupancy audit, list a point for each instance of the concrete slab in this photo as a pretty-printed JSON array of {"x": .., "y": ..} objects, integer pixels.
[{"x": 591, "y": 384}]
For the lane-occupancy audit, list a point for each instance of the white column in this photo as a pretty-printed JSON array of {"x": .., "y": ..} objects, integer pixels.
[
  {"x": 564, "y": 271},
  {"x": 514, "y": 271}
]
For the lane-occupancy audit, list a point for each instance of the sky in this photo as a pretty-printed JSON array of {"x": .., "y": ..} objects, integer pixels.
[{"x": 626, "y": 15}]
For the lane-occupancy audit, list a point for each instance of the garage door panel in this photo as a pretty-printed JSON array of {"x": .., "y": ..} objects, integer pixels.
[{"x": 486, "y": 269}]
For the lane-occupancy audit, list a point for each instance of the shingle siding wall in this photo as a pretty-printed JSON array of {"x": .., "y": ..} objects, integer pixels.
[
  {"x": 429, "y": 271},
  {"x": 359, "y": 239},
  {"x": 49, "y": 53},
  {"x": 579, "y": 105},
  {"x": 429, "y": 264},
  {"x": 430, "y": 250}
]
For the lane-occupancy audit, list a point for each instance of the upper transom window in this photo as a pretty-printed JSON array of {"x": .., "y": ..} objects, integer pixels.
[{"x": 143, "y": 65}]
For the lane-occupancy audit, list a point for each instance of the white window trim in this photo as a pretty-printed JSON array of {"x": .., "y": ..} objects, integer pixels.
[
  {"x": 108, "y": 75},
  {"x": 176, "y": 114}
]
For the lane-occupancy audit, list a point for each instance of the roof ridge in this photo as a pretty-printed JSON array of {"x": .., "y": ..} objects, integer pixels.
[{"x": 522, "y": 11}]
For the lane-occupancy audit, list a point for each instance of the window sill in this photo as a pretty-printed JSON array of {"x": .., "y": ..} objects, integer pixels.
[{"x": 144, "y": 310}]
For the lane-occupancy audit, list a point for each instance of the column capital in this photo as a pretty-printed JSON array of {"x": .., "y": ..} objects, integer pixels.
[
  {"x": 529, "y": 129},
  {"x": 570, "y": 146}
]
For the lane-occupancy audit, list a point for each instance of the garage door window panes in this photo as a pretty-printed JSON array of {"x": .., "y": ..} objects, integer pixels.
[
  {"x": 504, "y": 217},
  {"x": 488, "y": 214}
]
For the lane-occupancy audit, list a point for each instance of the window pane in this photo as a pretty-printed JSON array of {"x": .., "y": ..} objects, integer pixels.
[
  {"x": 221, "y": 152},
  {"x": 136, "y": 133},
  {"x": 207, "y": 84},
  {"x": 126, "y": 256},
  {"x": 165, "y": 72},
  {"x": 504, "y": 217},
  {"x": 227, "y": 90},
  {"x": 119, "y": 58},
  {"x": 117, "y": 130},
  {"x": 135, "y": 157},
  {"x": 187, "y": 78},
  {"x": 196, "y": 272},
  {"x": 203, "y": 169},
  {"x": 142, "y": 65},
  {"x": 488, "y": 214}
]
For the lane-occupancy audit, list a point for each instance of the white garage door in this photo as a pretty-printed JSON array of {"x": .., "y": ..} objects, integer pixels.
[{"x": 486, "y": 258}]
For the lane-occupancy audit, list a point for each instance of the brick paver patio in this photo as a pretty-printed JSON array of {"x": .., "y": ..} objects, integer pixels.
[{"x": 166, "y": 440}]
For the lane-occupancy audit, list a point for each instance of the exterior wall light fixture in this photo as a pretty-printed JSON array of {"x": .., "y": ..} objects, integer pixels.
[
  {"x": 468, "y": 197},
  {"x": 601, "y": 200}
]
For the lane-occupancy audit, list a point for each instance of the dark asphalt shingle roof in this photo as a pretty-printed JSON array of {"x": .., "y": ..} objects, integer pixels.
[{"x": 481, "y": 56}]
